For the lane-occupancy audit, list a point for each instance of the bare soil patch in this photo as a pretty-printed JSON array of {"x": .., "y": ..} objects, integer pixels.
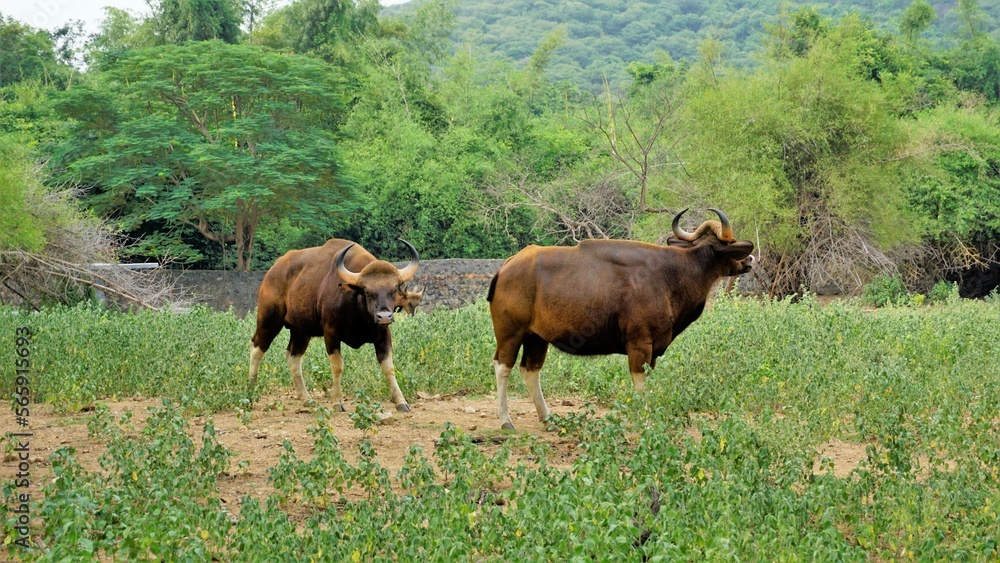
[
  {"x": 845, "y": 457},
  {"x": 280, "y": 417}
]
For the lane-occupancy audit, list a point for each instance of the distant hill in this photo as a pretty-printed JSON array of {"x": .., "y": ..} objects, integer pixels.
[{"x": 605, "y": 35}]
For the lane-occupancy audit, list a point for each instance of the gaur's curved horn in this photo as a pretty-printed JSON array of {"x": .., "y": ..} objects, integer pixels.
[
  {"x": 346, "y": 275},
  {"x": 727, "y": 230},
  {"x": 678, "y": 231},
  {"x": 410, "y": 270}
]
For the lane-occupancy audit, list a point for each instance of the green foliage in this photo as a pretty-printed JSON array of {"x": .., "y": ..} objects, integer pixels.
[
  {"x": 177, "y": 21},
  {"x": 19, "y": 191},
  {"x": 207, "y": 138},
  {"x": 603, "y": 38},
  {"x": 314, "y": 25},
  {"x": 366, "y": 411},
  {"x": 958, "y": 192},
  {"x": 805, "y": 151},
  {"x": 943, "y": 292},
  {"x": 421, "y": 146},
  {"x": 120, "y": 32},
  {"x": 26, "y": 113},
  {"x": 885, "y": 290},
  {"x": 716, "y": 458},
  {"x": 157, "y": 494},
  {"x": 314, "y": 482},
  {"x": 795, "y": 37},
  {"x": 181, "y": 357},
  {"x": 27, "y": 54},
  {"x": 975, "y": 66},
  {"x": 915, "y": 19}
]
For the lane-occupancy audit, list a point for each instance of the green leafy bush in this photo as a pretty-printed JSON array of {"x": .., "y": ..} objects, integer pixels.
[
  {"x": 885, "y": 290},
  {"x": 943, "y": 292}
]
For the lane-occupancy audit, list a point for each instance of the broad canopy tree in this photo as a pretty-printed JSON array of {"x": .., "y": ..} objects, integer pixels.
[{"x": 207, "y": 137}]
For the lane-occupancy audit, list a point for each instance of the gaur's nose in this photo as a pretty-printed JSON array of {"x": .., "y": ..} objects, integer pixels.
[{"x": 383, "y": 317}]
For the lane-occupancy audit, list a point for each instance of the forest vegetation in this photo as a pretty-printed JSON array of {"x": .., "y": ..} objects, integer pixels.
[
  {"x": 222, "y": 133},
  {"x": 603, "y": 37}
]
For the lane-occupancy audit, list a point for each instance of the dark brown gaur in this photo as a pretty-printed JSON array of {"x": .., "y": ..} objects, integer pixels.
[
  {"x": 338, "y": 291},
  {"x": 605, "y": 297},
  {"x": 411, "y": 302}
]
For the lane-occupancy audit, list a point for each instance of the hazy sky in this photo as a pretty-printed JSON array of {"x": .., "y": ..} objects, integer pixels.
[{"x": 50, "y": 14}]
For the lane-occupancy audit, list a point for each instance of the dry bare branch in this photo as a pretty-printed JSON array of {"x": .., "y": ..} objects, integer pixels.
[
  {"x": 634, "y": 142},
  {"x": 565, "y": 210},
  {"x": 64, "y": 270}
]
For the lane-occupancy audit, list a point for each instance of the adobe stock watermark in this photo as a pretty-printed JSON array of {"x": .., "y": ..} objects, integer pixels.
[
  {"x": 21, "y": 439},
  {"x": 45, "y": 13}
]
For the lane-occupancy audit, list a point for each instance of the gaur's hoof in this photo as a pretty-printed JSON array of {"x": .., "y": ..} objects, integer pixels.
[
  {"x": 550, "y": 427},
  {"x": 309, "y": 403},
  {"x": 403, "y": 407},
  {"x": 507, "y": 426},
  {"x": 339, "y": 407}
]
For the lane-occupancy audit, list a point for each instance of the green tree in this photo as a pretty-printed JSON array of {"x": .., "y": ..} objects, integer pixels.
[
  {"x": 20, "y": 228},
  {"x": 177, "y": 21},
  {"x": 958, "y": 190},
  {"x": 916, "y": 18},
  {"x": 253, "y": 12},
  {"x": 971, "y": 16},
  {"x": 806, "y": 152},
  {"x": 207, "y": 138},
  {"x": 326, "y": 28},
  {"x": 422, "y": 142},
  {"x": 26, "y": 110},
  {"x": 975, "y": 66},
  {"x": 27, "y": 53},
  {"x": 119, "y": 32}
]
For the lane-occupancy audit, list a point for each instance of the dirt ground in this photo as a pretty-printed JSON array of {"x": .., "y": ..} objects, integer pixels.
[{"x": 280, "y": 417}]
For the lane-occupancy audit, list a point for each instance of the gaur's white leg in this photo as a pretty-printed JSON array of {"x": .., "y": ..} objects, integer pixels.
[
  {"x": 639, "y": 380},
  {"x": 503, "y": 376},
  {"x": 295, "y": 366},
  {"x": 389, "y": 371},
  {"x": 640, "y": 356},
  {"x": 256, "y": 355},
  {"x": 337, "y": 367},
  {"x": 534, "y": 383}
]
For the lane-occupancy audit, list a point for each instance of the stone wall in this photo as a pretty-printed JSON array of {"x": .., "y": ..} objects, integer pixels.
[
  {"x": 453, "y": 282},
  {"x": 219, "y": 289},
  {"x": 448, "y": 283}
]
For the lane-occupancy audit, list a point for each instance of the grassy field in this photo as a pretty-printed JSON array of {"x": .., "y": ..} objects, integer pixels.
[{"x": 718, "y": 460}]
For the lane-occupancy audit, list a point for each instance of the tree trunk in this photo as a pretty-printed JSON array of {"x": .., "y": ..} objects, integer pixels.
[{"x": 246, "y": 227}]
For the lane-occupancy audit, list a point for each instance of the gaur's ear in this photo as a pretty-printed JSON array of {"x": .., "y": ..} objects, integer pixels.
[
  {"x": 737, "y": 250},
  {"x": 674, "y": 241},
  {"x": 351, "y": 288}
]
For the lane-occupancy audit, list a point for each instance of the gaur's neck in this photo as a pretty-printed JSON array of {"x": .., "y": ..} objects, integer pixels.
[{"x": 699, "y": 272}]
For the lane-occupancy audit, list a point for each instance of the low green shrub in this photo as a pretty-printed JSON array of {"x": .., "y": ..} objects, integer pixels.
[
  {"x": 885, "y": 290},
  {"x": 943, "y": 292}
]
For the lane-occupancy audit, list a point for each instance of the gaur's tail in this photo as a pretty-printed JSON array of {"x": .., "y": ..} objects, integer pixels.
[
  {"x": 493, "y": 287},
  {"x": 493, "y": 282}
]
